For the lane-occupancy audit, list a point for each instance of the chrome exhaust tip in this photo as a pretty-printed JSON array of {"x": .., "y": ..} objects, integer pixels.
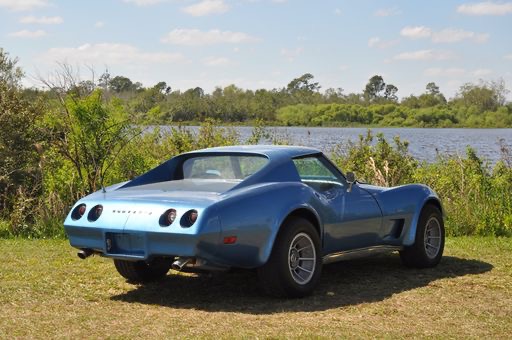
[
  {"x": 180, "y": 263},
  {"x": 84, "y": 253}
]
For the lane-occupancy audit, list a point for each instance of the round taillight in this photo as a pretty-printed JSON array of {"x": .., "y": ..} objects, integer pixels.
[
  {"x": 78, "y": 212},
  {"x": 189, "y": 218},
  {"x": 95, "y": 213},
  {"x": 192, "y": 216},
  {"x": 168, "y": 217}
]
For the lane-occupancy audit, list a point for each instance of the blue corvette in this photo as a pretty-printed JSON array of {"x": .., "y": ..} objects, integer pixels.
[{"x": 282, "y": 210}]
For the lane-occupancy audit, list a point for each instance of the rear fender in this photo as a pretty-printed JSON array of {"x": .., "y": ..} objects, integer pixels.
[
  {"x": 297, "y": 210},
  {"x": 256, "y": 215}
]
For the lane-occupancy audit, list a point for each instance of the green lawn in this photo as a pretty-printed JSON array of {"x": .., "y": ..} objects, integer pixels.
[{"x": 47, "y": 292}]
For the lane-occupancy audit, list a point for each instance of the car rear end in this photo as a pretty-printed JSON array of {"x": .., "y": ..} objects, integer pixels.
[{"x": 143, "y": 226}]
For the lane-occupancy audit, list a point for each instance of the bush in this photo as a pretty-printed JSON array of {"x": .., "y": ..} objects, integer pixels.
[
  {"x": 477, "y": 198},
  {"x": 379, "y": 163}
]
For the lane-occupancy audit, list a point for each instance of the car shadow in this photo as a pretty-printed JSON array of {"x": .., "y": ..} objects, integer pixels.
[{"x": 342, "y": 284}]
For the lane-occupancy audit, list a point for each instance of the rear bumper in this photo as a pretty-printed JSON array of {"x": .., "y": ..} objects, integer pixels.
[{"x": 143, "y": 245}]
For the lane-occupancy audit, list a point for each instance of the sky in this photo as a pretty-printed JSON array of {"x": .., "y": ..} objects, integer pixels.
[{"x": 264, "y": 43}]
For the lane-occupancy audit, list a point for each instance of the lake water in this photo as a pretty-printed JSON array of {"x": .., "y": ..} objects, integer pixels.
[{"x": 423, "y": 143}]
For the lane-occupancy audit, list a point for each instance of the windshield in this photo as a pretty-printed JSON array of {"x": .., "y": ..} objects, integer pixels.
[{"x": 235, "y": 167}]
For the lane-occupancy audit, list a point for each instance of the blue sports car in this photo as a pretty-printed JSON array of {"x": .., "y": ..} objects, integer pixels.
[{"x": 282, "y": 210}]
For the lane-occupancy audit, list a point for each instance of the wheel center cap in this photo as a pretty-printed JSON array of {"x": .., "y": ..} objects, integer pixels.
[{"x": 294, "y": 258}]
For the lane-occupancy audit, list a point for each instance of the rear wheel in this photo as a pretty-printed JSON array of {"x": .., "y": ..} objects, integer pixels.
[
  {"x": 295, "y": 264},
  {"x": 141, "y": 271},
  {"x": 428, "y": 247}
]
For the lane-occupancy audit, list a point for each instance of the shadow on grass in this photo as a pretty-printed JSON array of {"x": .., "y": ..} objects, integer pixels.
[{"x": 342, "y": 284}]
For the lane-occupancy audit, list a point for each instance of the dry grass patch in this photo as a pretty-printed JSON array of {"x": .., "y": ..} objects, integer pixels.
[{"x": 46, "y": 291}]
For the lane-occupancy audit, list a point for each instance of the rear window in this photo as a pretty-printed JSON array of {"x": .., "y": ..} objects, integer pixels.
[{"x": 235, "y": 167}]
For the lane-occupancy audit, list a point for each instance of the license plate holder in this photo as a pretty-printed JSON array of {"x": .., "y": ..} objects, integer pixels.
[{"x": 131, "y": 244}]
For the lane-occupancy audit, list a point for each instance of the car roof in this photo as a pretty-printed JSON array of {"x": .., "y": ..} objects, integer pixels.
[
  {"x": 271, "y": 151},
  {"x": 280, "y": 167}
]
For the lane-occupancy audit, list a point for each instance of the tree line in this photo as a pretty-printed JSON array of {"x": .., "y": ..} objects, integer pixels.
[{"x": 301, "y": 102}]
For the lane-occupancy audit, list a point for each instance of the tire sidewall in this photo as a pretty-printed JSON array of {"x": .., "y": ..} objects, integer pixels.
[
  {"x": 428, "y": 213},
  {"x": 292, "y": 228}
]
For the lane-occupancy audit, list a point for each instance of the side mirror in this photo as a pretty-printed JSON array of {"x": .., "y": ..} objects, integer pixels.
[{"x": 351, "y": 179}]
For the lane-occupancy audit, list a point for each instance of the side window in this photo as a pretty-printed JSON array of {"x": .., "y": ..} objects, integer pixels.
[{"x": 317, "y": 174}]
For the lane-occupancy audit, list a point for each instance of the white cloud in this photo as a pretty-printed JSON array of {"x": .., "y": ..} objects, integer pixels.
[
  {"x": 455, "y": 72},
  {"x": 291, "y": 54},
  {"x": 143, "y": 3},
  {"x": 382, "y": 44},
  {"x": 99, "y": 24},
  {"x": 444, "y": 72},
  {"x": 216, "y": 61},
  {"x": 481, "y": 72},
  {"x": 338, "y": 11},
  {"x": 425, "y": 55},
  {"x": 450, "y": 35},
  {"x": 416, "y": 32},
  {"x": 108, "y": 53},
  {"x": 206, "y": 7},
  {"x": 41, "y": 20},
  {"x": 23, "y": 5},
  {"x": 508, "y": 57},
  {"x": 387, "y": 12},
  {"x": 447, "y": 35},
  {"x": 486, "y": 8},
  {"x": 28, "y": 34},
  {"x": 195, "y": 37}
]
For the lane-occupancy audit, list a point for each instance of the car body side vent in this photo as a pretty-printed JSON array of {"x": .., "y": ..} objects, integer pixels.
[{"x": 397, "y": 227}]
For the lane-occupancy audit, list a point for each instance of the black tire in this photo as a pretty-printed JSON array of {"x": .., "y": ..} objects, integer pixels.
[
  {"x": 141, "y": 271},
  {"x": 431, "y": 229},
  {"x": 276, "y": 276}
]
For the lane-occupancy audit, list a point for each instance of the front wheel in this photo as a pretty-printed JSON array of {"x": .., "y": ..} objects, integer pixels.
[
  {"x": 295, "y": 263},
  {"x": 428, "y": 246},
  {"x": 141, "y": 271}
]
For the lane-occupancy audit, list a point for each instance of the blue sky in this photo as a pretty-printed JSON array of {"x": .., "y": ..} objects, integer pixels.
[{"x": 264, "y": 43}]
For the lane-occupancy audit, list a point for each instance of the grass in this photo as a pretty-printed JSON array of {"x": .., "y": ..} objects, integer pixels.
[{"x": 47, "y": 292}]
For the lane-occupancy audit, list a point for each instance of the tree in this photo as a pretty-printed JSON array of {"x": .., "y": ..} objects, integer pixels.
[
  {"x": 162, "y": 87},
  {"x": 104, "y": 81},
  {"x": 374, "y": 88},
  {"x": 264, "y": 105},
  {"x": 10, "y": 74},
  {"x": 302, "y": 90},
  {"x": 85, "y": 129},
  {"x": 483, "y": 96},
  {"x": 20, "y": 143},
  {"x": 500, "y": 91},
  {"x": 411, "y": 101},
  {"x": 303, "y": 83},
  {"x": 90, "y": 134},
  {"x": 334, "y": 95},
  {"x": 432, "y": 89},
  {"x": 121, "y": 84},
  {"x": 390, "y": 92}
]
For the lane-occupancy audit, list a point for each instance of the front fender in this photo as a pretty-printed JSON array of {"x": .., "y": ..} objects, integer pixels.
[
  {"x": 410, "y": 236},
  {"x": 406, "y": 202}
]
